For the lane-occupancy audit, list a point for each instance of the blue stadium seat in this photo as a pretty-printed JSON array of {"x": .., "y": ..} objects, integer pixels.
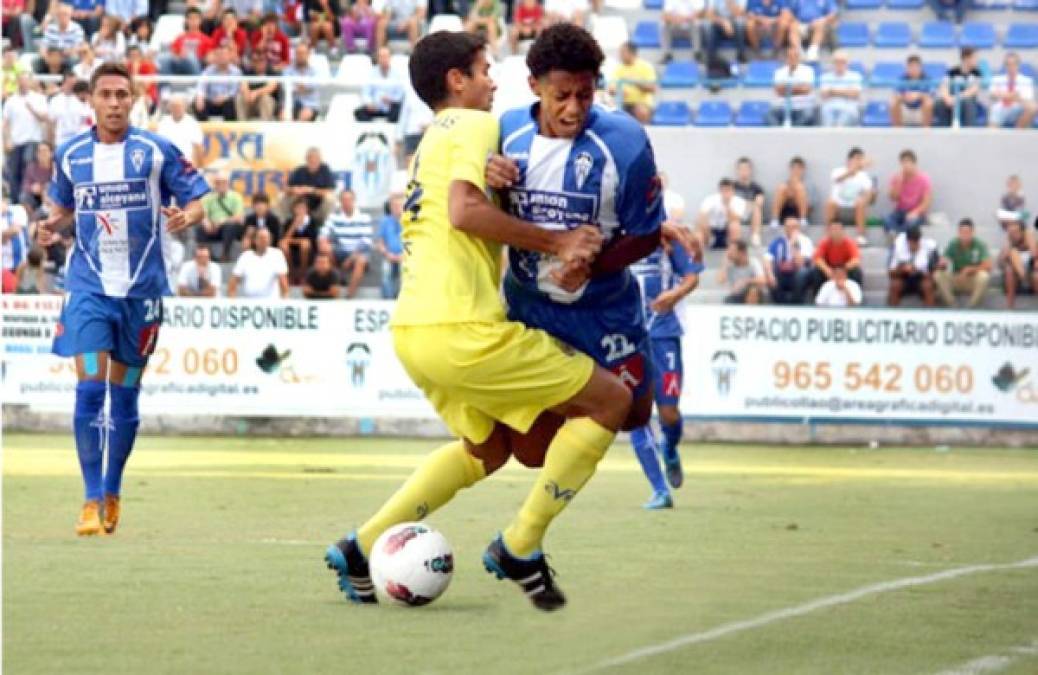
[
  {"x": 886, "y": 74},
  {"x": 1021, "y": 36},
  {"x": 859, "y": 67},
  {"x": 1026, "y": 6},
  {"x": 1029, "y": 70},
  {"x": 646, "y": 35},
  {"x": 852, "y": 34},
  {"x": 892, "y": 35},
  {"x": 937, "y": 35},
  {"x": 752, "y": 114},
  {"x": 905, "y": 4},
  {"x": 713, "y": 114},
  {"x": 760, "y": 73},
  {"x": 672, "y": 114},
  {"x": 653, "y": 4},
  {"x": 982, "y": 5},
  {"x": 680, "y": 75},
  {"x": 978, "y": 34},
  {"x": 877, "y": 114},
  {"x": 864, "y": 4},
  {"x": 934, "y": 71}
]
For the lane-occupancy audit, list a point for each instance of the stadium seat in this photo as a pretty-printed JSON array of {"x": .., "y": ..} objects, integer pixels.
[
  {"x": 610, "y": 31},
  {"x": 1029, "y": 70},
  {"x": 713, "y": 114},
  {"x": 1026, "y": 6},
  {"x": 977, "y": 34},
  {"x": 323, "y": 67},
  {"x": 672, "y": 114},
  {"x": 680, "y": 75},
  {"x": 852, "y": 34},
  {"x": 859, "y": 68},
  {"x": 934, "y": 71},
  {"x": 447, "y": 22},
  {"x": 876, "y": 114},
  {"x": 989, "y": 5},
  {"x": 886, "y": 74},
  {"x": 646, "y": 35},
  {"x": 905, "y": 4},
  {"x": 654, "y": 5},
  {"x": 341, "y": 108},
  {"x": 892, "y": 35},
  {"x": 624, "y": 6},
  {"x": 354, "y": 70},
  {"x": 1021, "y": 36},
  {"x": 937, "y": 35},
  {"x": 399, "y": 64},
  {"x": 864, "y": 4},
  {"x": 752, "y": 114},
  {"x": 760, "y": 74},
  {"x": 167, "y": 28}
]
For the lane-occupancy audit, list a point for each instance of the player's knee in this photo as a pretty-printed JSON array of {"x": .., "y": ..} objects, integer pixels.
[
  {"x": 493, "y": 452},
  {"x": 640, "y": 412},
  {"x": 531, "y": 448},
  {"x": 669, "y": 415}
]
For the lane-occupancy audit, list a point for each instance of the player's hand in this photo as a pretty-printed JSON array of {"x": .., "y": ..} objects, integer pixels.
[
  {"x": 572, "y": 276},
  {"x": 664, "y": 302},
  {"x": 501, "y": 172},
  {"x": 47, "y": 230},
  {"x": 176, "y": 219},
  {"x": 671, "y": 231},
  {"x": 579, "y": 245}
]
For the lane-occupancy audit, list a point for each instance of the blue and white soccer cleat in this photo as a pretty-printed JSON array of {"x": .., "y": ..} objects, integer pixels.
[
  {"x": 351, "y": 567},
  {"x": 672, "y": 467},
  {"x": 533, "y": 575},
  {"x": 660, "y": 500}
]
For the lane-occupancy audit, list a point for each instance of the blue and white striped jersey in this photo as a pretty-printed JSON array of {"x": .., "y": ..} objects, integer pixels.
[
  {"x": 606, "y": 176},
  {"x": 659, "y": 272},
  {"x": 118, "y": 190},
  {"x": 348, "y": 233}
]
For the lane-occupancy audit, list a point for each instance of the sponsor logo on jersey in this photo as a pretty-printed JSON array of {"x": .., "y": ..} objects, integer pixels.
[
  {"x": 147, "y": 339},
  {"x": 106, "y": 223},
  {"x": 562, "y": 208},
  {"x": 631, "y": 371},
  {"x": 557, "y": 492},
  {"x": 671, "y": 383},
  {"x": 119, "y": 195},
  {"x": 81, "y": 160},
  {"x": 582, "y": 166}
]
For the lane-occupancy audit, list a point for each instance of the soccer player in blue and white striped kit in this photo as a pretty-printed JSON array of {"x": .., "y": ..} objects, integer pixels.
[{"x": 116, "y": 185}]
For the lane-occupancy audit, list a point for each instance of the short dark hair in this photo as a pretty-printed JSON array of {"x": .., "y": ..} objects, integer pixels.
[
  {"x": 966, "y": 222},
  {"x": 967, "y": 52},
  {"x": 914, "y": 233},
  {"x": 726, "y": 183},
  {"x": 111, "y": 68},
  {"x": 260, "y": 197},
  {"x": 630, "y": 46},
  {"x": 907, "y": 154},
  {"x": 914, "y": 58},
  {"x": 740, "y": 245},
  {"x": 35, "y": 256},
  {"x": 744, "y": 160},
  {"x": 192, "y": 10},
  {"x": 229, "y": 10},
  {"x": 855, "y": 152},
  {"x": 81, "y": 87},
  {"x": 797, "y": 161},
  {"x": 269, "y": 17},
  {"x": 566, "y": 47},
  {"x": 437, "y": 54}
]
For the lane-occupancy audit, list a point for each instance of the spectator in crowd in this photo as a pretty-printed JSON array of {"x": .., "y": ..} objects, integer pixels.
[
  {"x": 912, "y": 263},
  {"x": 673, "y": 202},
  {"x": 269, "y": 40},
  {"x": 965, "y": 268},
  {"x": 634, "y": 81},
  {"x": 792, "y": 197},
  {"x": 816, "y": 19},
  {"x": 261, "y": 218},
  {"x": 359, "y": 21},
  {"x": 37, "y": 177},
  {"x": 839, "y": 290},
  {"x": 788, "y": 268},
  {"x": 224, "y": 220},
  {"x": 52, "y": 63},
  {"x": 25, "y": 115},
  {"x": 62, "y": 33},
  {"x": 1017, "y": 260},
  {"x": 942, "y": 8},
  {"x": 306, "y": 98},
  {"x": 12, "y": 68},
  {"x": 297, "y": 239},
  {"x": 527, "y": 23},
  {"x": 200, "y": 277},
  {"x": 217, "y": 97},
  {"x": 679, "y": 22},
  {"x": 1012, "y": 96},
  {"x": 383, "y": 93},
  {"x": 109, "y": 43},
  {"x": 1013, "y": 201},
  {"x": 742, "y": 276},
  {"x": 182, "y": 129},
  {"x": 231, "y": 35},
  {"x": 31, "y": 278},
  {"x": 913, "y": 100},
  {"x": 401, "y": 18},
  {"x": 140, "y": 111},
  {"x": 912, "y": 194},
  {"x": 190, "y": 49},
  {"x": 323, "y": 18},
  {"x": 259, "y": 100},
  {"x": 321, "y": 281},
  {"x": 836, "y": 250},
  {"x": 261, "y": 272},
  {"x": 958, "y": 97},
  {"x": 313, "y": 181},
  {"x": 723, "y": 20},
  {"x": 771, "y": 18},
  {"x": 841, "y": 93},
  {"x": 753, "y": 194},
  {"x": 249, "y": 12},
  {"x": 140, "y": 34},
  {"x": 127, "y": 10},
  {"x": 415, "y": 118},
  {"x": 389, "y": 245},
  {"x": 18, "y": 23},
  {"x": 485, "y": 18},
  {"x": 140, "y": 64},
  {"x": 69, "y": 110},
  {"x": 87, "y": 64},
  {"x": 17, "y": 233},
  {"x": 851, "y": 194},
  {"x": 794, "y": 85},
  {"x": 720, "y": 216},
  {"x": 569, "y": 11},
  {"x": 347, "y": 236}
]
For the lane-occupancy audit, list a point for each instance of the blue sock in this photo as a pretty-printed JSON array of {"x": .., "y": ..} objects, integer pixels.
[
  {"x": 644, "y": 443},
  {"x": 672, "y": 437},
  {"x": 125, "y": 421},
  {"x": 88, "y": 425}
]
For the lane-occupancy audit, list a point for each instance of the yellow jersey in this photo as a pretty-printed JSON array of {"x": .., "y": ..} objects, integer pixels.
[
  {"x": 641, "y": 72},
  {"x": 448, "y": 276}
]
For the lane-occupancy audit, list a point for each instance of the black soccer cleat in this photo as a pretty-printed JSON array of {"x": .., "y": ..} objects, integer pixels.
[
  {"x": 351, "y": 567},
  {"x": 533, "y": 575}
]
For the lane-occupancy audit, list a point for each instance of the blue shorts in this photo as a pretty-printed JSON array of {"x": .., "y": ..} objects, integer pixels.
[
  {"x": 666, "y": 355},
  {"x": 613, "y": 335},
  {"x": 128, "y": 328}
]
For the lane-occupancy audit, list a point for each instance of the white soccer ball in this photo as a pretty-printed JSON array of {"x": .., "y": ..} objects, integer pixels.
[{"x": 411, "y": 565}]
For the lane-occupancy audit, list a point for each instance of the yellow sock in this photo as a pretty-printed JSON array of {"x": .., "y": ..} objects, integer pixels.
[
  {"x": 571, "y": 460},
  {"x": 433, "y": 484}
]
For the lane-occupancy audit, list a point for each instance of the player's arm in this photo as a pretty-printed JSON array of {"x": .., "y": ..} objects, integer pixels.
[
  {"x": 689, "y": 270},
  {"x": 184, "y": 182}
]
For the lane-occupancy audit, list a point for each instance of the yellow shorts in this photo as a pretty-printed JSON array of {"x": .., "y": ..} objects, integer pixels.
[{"x": 477, "y": 374}]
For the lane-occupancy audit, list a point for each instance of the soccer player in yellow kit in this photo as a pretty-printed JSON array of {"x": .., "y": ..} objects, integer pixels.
[{"x": 490, "y": 379}]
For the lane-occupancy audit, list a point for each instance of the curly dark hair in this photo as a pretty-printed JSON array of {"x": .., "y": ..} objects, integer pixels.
[
  {"x": 437, "y": 54},
  {"x": 565, "y": 47}
]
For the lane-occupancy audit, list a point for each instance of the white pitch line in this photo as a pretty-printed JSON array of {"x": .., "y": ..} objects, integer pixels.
[
  {"x": 993, "y": 662},
  {"x": 727, "y": 629}
]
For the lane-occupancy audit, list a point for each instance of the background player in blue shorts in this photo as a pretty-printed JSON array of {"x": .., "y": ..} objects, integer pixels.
[
  {"x": 666, "y": 276},
  {"x": 116, "y": 185}
]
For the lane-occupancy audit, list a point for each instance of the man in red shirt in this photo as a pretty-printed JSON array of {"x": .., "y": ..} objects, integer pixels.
[
  {"x": 189, "y": 50},
  {"x": 231, "y": 34},
  {"x": 270, "y": 40},
  {"x": 836, "y": 250},
  {"x": 529, "y": 20},
  {"x": 139, "y": 64}
]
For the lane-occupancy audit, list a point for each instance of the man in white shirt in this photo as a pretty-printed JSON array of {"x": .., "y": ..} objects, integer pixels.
[
  {"x": 851, "y": 194},
  {"x": 720, "y": 216},
  {"x": 912, "y": 265},
  {"x": 262, "y": 272},
  {"x": 789, "y": 264},
  {"x": 69, "y": 110},
  {"x": 794, "y": 85},
  {"x": 839, "y": 291},
  {"x": 182, "y": 129},
  {"x": 14, "y": 226},
  {"x": 673, "y": 202},
  {"x": 570, "y": 11},
  {"x": 63, "y": 33},
  {"x": 841, "y": 93},
  {"x": 383, "y": 93},
  {"x": 679, "y": 21},
  {"x": 199, "y": 278},
  {"x": 399, "y": 19},
  {"x": 25, "y": 114},
  {"x": 1012, "y": 96}
]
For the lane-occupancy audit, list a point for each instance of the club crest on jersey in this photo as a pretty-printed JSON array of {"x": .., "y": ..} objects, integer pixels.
[
  {"x": 582, "y": 166},
  {"x": 137, "y": 158}
]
